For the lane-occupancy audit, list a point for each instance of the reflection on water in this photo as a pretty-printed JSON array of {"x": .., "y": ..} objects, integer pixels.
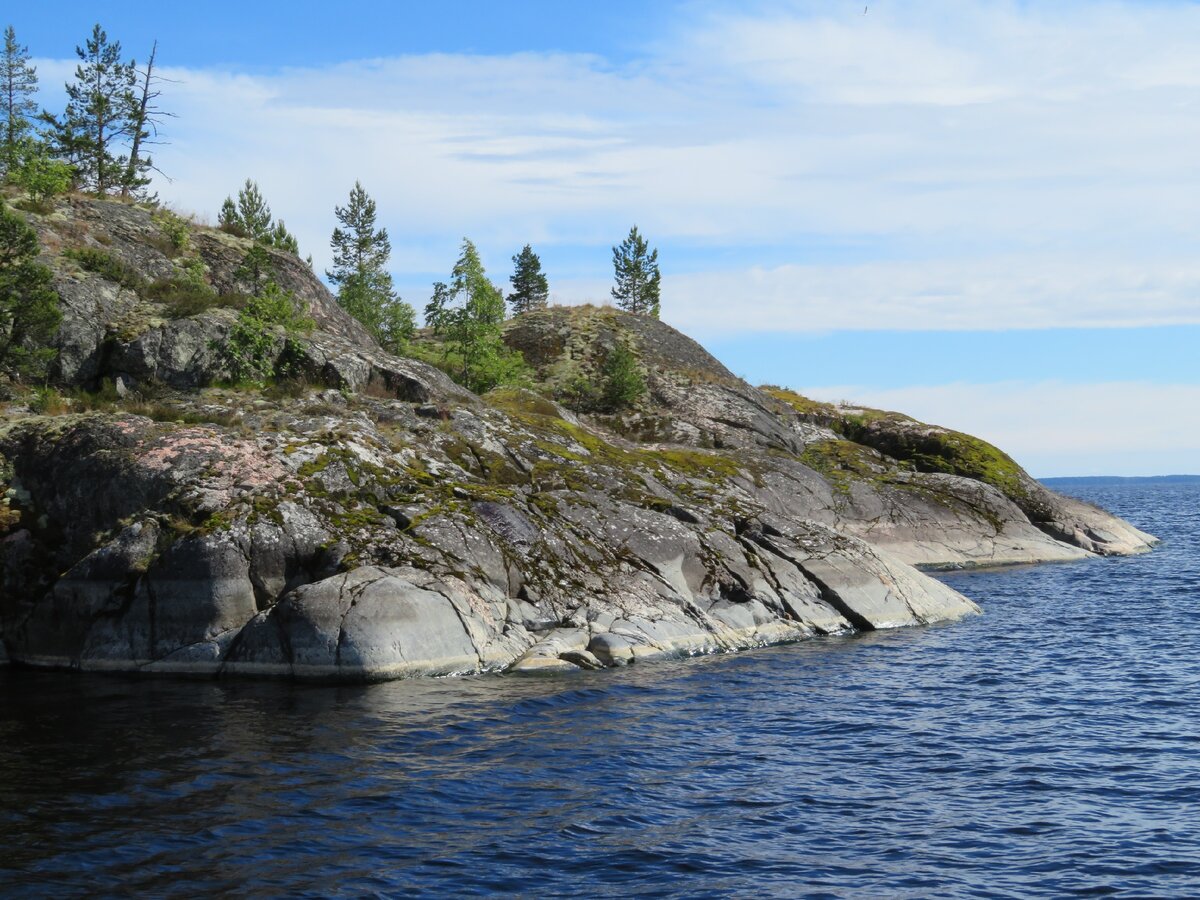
[{"x": 1048, "y": 747}]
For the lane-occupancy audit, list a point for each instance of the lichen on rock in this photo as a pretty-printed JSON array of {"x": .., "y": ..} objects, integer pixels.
[{"x": 371, "y": 519}]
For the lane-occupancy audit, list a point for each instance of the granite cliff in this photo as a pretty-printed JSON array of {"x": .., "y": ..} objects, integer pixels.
[{"x": 371, "y": 519}]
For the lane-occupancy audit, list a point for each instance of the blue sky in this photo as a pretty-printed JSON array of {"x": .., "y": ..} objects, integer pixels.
[{"x": 982, "y": 213}]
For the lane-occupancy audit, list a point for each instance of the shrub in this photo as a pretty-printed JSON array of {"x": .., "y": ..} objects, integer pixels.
[
  {"x": 187, "y": 293},
  {"x": 47, "y": 401},
  {"x": 107, "y": 266},
  {"x": 253, "y": 351},
  {"x": 581, "y": 393},
  {"x": 105, "y": 397},
  {"x": 181, "y": 297},
  {"x": 42, "y": 177},
  {"x": 174, "y": 228}
]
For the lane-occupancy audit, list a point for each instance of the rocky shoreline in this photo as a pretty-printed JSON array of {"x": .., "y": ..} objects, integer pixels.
[{"x": 377, "y": 521}]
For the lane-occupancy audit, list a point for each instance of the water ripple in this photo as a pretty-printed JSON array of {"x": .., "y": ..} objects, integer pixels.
[{"x": 1047, "y": 748}]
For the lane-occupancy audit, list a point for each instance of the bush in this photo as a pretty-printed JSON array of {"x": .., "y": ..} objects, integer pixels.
[
  {"x": 183, "y": 298},
  {"x": 253, "y": 351},
  {"x": 495, "y": 366},
  {"x": 41, "y": 177},
  {"x": 174, "y": 228},
  {"x": 105, "y": 397},
  {"x": 581, "y": 393},
  {"x": 46, "y": 401},
  {"x": 108, "y": 267},
  {"x": 187, "y": 293}
]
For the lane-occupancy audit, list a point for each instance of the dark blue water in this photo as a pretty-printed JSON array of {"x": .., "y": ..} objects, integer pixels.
[{"x": 1048, "y": 748}]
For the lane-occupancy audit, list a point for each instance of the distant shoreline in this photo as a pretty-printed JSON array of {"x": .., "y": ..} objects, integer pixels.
[{"x": 1119, "y": 479}]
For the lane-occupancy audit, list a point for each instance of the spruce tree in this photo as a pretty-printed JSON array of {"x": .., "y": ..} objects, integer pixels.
[
  {"x": 365, "y": 290},
  {"x": 636, "y": 276},
  {"x": 18, "y": 85},
  {"x": 624, "y": 385},
  {"x": 98, "y": 115},
  {"x": 468, "y": 313},
  {"x": 531, "y": 290}
]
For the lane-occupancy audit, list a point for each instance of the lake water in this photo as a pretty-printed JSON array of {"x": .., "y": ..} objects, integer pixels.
[{"x": 1048, "y": 748}]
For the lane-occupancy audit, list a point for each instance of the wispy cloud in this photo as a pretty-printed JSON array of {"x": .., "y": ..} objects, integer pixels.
[{"x": 1000, "y": 164}]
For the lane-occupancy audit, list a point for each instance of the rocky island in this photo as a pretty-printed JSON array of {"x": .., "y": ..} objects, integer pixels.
[{"x": 369, "y": 518}]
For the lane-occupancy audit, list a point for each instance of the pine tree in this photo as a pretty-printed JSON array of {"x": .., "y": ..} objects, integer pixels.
[
  {"x": 251, "y": 217},
  {"x": 18, "y": 85},
  {"x": 98, "y": 115},
  {"x": 468, "y": 313},
  {"x": 29, "y": 315},
  {"x": 365, "y": 290},
  {"x": 228, "y": 217},
  {"x": 531, "y": 290},
  {"x": 637, "y": 279},
  {"x": 257, "y": 269},
  {"x": 284, "y": 239}
]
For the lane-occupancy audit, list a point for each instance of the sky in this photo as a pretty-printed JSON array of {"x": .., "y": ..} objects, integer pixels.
[{"x": 983, "y": 214}]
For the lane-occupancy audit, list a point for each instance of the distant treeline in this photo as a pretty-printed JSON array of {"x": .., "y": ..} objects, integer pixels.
[{"x": 1102, "y": 480}]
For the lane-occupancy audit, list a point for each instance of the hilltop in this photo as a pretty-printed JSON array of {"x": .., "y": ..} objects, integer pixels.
[{"x": 366, "y": 517}]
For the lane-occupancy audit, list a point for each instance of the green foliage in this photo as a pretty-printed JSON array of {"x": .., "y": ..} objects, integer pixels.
[
  {"x": 531, "y": 289},
  {"x": 97, "y": 116},
  {"x": 29, "y": 314},
  {"x": 956, "y": 453},
  {"x": 906, "y": 442},
  {"x": 257, "y": 269},
  {"x": 187, "y": 293},
  {"x": 283, "y": 239},
  {"x": 365, "y": 290},
  {"x": 18, "y": 85},
  {"x": 229, "y": 218},
  {"x": 813, "y": 409},
  {"x": 251, "y": 217},
  {"x": 397, "y": 326},
  {"x": 47, "y": 401},
  {"x": 467, "y": 314},
  {"x": 636, "y": 276},
  {"x": 175, "y": 229},
  {"x": 38, "y": 174},
  {"x": 107, "y": 266},
  {"x": 263, "y": 341},
  {"x": 624, "y": 385}
]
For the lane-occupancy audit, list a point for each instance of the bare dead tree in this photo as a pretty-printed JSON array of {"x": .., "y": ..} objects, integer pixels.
[{"x": 146, "y": 118}]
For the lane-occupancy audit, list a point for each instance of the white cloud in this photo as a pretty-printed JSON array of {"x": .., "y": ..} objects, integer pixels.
[
  {"x": 997, "y": 293},
  {"x": 996, "y": 164},
  {"x": 1057, "y": 428}
]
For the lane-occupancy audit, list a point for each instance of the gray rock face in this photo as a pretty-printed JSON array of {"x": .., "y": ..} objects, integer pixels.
[
  {"x": 111, "y": 331},
  {"x": 238, "y": 556},
  {"x": 399, "y": 525}
]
